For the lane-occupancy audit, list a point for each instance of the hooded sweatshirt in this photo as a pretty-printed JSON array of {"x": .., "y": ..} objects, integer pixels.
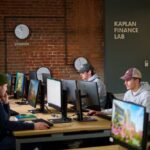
[
  {"x": 141, "y": 96},
  {"x": 101, "y": 88}
]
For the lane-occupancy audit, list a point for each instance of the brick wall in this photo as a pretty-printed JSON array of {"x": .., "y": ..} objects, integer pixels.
[{"x": 61, "y": 30}]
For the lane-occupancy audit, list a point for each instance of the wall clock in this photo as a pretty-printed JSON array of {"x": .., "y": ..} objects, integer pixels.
[
  {"x": 22, "y": 31},
  {"x": 40, "y": 71},
  {"x": 79, "y": 61}
]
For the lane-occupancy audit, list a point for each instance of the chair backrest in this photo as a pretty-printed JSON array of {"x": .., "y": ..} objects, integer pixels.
[{"x": 109, "y": 100}]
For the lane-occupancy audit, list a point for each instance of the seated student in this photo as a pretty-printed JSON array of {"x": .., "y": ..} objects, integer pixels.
[
  {"x": 7, "y": 141},
  {"x": 137, "y": 92},
  {"x": 87, "y": 73}
]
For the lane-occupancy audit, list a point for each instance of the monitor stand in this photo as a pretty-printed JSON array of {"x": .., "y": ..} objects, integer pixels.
[
  {"x": 63, "y": 118},
  {"x": 79, "y": 110}
]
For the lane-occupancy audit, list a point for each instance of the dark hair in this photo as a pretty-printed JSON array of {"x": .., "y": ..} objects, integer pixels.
[
  {"x": 136, "y": 79},
  {"x": 92, "y": 72}
]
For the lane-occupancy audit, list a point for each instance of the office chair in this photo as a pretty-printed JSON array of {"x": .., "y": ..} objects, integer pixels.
[{"x": 109, "y": 100}]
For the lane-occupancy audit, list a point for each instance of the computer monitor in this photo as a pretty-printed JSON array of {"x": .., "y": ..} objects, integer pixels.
[
  {"x": 70, "y": 86},
  {"x": 32, "y": 75},
  {"x": 44, "y": 77},
  {"x": 87, "y": 98},
  {"x": 89, "y": 95},
  {"x": 129, "y": 124},
  {"x": 19, "y": 85},
  {"x": 33, "y": 92},
  {"x": 33, "y": 96},
  {"x": 56, "y": 98},
  {"x": 9, "y": 83},
  {"x": 44, "y": 83}
]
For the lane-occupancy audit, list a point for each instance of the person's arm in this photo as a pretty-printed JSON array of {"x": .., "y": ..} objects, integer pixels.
[
  {"x": 18, "y": 125},
  {"x": 146, "y": 102},
  {"x": 97, "y": 113},
  {"x": 3, "y": 117}
]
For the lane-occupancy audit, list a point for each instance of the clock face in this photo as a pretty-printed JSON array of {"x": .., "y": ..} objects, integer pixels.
[
  {"x": 40, "y": 71},
  {"x": 22, "y": 31},
  {"x": 79, "y": 62}
]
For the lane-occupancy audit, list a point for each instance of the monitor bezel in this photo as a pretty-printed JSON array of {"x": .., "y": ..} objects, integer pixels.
[{"x": 145, "y": 124}]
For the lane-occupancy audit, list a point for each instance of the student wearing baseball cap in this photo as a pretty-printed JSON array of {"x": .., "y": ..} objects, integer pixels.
[
  {"x": 132, "y": 73},
  {"x": 137, "y": 91},
  {"x": 87, "y": 73}
]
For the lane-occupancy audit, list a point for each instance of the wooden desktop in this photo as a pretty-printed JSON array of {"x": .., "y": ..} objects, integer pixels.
[
  {"x": 110, "y": 147},
  {"x": 62, "y": 131}
]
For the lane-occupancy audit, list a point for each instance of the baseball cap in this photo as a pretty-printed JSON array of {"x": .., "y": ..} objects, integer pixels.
[
  {"x": 132, "y": 73},
  {"x": 3, "y": 78},
  {"x": 85, "y": 68}
]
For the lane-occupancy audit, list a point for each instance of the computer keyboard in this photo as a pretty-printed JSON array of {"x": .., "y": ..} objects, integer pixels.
[
  {"x": 22, "y": 103},
  {"x": 13, "y": 113},
  {"x": 43, "y": 120}
]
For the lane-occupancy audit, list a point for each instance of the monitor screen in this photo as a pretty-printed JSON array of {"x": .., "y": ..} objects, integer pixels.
[
  {"x": 19, "y": 84},
  {"x": 33, "y": 92},
  {"x": 56, "y": 98},
  {"x": 129, "y": 124},
  {"x": 54, "y": 93},
  {"x": 89, "y": 94},
  {"x": 70, "y": 86}
]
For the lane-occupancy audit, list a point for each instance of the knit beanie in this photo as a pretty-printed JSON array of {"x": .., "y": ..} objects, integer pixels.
[{"x": 3, "y": 78}]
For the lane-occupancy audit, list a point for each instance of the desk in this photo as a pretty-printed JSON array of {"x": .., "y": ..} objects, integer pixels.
[
  {"x": 110, "y": 147},
  {"x": 62, "y": 131}
]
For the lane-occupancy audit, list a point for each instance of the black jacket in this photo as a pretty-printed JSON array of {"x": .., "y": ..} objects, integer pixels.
[{"x": 7, "y": 126}]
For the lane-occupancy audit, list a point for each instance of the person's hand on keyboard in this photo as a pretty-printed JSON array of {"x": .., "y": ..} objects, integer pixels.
[
  {"x": 94, "y": 113},
  {"x": 41, "y": 126}
]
